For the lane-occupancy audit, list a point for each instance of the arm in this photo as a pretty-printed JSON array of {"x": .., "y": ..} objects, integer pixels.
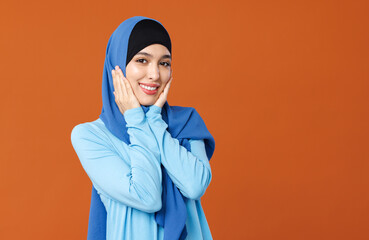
[
  {"x": 189, "y": 171},
  {"x": 132, "y": 177}
]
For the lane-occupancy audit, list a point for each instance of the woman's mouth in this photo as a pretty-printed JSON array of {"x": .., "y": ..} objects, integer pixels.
[{"x": 149, "y": 89}]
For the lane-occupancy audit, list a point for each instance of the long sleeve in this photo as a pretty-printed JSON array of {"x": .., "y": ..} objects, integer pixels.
[
  {"x": 130, "y": 174},
  {"x": 189, "y": 170}
]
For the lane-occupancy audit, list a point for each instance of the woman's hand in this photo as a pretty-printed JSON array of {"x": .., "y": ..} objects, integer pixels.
[
  {"x": 163, "y": 96},
  {"x": 124, "y": 96}
]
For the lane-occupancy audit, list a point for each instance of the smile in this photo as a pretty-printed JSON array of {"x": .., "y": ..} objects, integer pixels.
[{"x": 150, "y": 90}]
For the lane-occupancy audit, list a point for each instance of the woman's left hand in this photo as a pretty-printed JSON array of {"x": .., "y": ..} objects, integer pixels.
[{"x": 163, "y": 96}]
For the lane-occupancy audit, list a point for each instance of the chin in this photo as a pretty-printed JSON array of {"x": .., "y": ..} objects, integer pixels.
[{"x": 148, "y": 102}]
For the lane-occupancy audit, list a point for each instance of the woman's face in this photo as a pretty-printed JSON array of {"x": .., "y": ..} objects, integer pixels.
[{"x": 148, "y": 72}]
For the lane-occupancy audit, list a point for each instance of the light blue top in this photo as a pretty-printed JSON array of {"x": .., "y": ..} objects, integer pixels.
[{"x": 128, "y": 177}]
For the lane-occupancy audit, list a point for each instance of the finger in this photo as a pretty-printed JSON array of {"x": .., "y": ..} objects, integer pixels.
[
  {"x": 117, "y": 89},
  {"x": 120, "y": 73},
  {"x": 119, "y": 86},
  {"x": 114, "y": 80},
  {"x": 121, "y": 82},
  {"x": 128, "y": 86},
  {"x": 131, "y": 93},
  {"x": 170, "y": 82},
  {"x": 166, "y": 89}
]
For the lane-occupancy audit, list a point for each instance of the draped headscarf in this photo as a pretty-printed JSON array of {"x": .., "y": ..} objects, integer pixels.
[{"x": 184, "y": 123}]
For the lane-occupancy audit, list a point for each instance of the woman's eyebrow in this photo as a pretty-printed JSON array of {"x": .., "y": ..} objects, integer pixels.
[{"x": 149, "y": 55}]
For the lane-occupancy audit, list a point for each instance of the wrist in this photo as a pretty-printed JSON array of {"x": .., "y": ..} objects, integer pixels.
[
  {"x": 158, "y": 105},
  {"x": 153, "y": 110},
  {"x": 134, "y": 115}
]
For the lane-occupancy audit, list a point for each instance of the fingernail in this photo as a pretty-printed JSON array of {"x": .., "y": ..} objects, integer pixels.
[{"x": 116, "y": 67}]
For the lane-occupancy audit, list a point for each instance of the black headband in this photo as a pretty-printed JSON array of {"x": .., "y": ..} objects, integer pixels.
[{"x": 145, "y": 33}]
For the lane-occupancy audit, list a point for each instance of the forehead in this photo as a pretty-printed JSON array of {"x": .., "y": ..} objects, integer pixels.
[{"x": 155, "y": 50}]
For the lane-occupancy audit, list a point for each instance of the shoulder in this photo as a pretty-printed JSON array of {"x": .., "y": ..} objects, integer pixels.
[
  {"x": 90, "y": 131},
  {"x": 83, "y": 129}
]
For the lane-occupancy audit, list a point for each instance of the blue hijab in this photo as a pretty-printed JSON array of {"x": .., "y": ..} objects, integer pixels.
[{"x": 184, "y": 123}]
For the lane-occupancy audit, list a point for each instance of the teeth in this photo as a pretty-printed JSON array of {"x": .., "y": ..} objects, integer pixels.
[{"x": 148, "y": 88}]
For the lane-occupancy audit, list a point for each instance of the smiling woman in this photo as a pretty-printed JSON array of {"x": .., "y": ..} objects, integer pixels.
[
  {"x": 148, "y": 73},
  {"x": 148, "y": 161}
]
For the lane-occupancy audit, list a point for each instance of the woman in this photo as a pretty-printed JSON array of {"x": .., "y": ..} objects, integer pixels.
[{"x": 148, "y": 161}]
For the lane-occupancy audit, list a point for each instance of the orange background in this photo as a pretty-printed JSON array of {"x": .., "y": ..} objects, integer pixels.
[{"x": 282, "y": 86}]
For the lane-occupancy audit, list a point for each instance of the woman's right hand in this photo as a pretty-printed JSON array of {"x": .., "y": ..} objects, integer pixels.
[{"x": 124, "y": 96}]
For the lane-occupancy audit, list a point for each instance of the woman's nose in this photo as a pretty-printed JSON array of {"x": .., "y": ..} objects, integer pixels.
[{"x": 153, "y": 72}]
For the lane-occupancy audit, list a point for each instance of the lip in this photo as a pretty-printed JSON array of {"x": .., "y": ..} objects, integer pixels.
[
  {"x": 149, "y": 92},
  {"x": 150, "y": 84}
]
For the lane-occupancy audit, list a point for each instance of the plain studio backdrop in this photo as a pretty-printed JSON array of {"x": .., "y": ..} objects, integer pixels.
[{"x": 283, "y": 86}]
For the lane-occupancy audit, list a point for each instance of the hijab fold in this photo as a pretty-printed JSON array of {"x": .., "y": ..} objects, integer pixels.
[{"x": 184, "y": 123}]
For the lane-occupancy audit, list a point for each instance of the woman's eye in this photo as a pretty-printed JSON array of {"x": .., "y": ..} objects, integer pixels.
[
  {"x": 166, "y": 64},
  {"x": 141, "y": 60}
]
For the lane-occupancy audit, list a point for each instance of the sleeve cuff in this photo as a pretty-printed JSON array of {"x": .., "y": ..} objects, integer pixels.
[
  {"x": 153, "y": 110},
  {"x": 134, "y": 115},
  {"x": 155, "y": 118}
]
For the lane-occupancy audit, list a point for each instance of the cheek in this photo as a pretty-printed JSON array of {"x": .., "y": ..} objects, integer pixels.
[
  {"x": 133, "y": 78},
  {"x": 133, "y": 84},
  {"x": 166, "y": 76},
  {"x": 134, "y": 74}
]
